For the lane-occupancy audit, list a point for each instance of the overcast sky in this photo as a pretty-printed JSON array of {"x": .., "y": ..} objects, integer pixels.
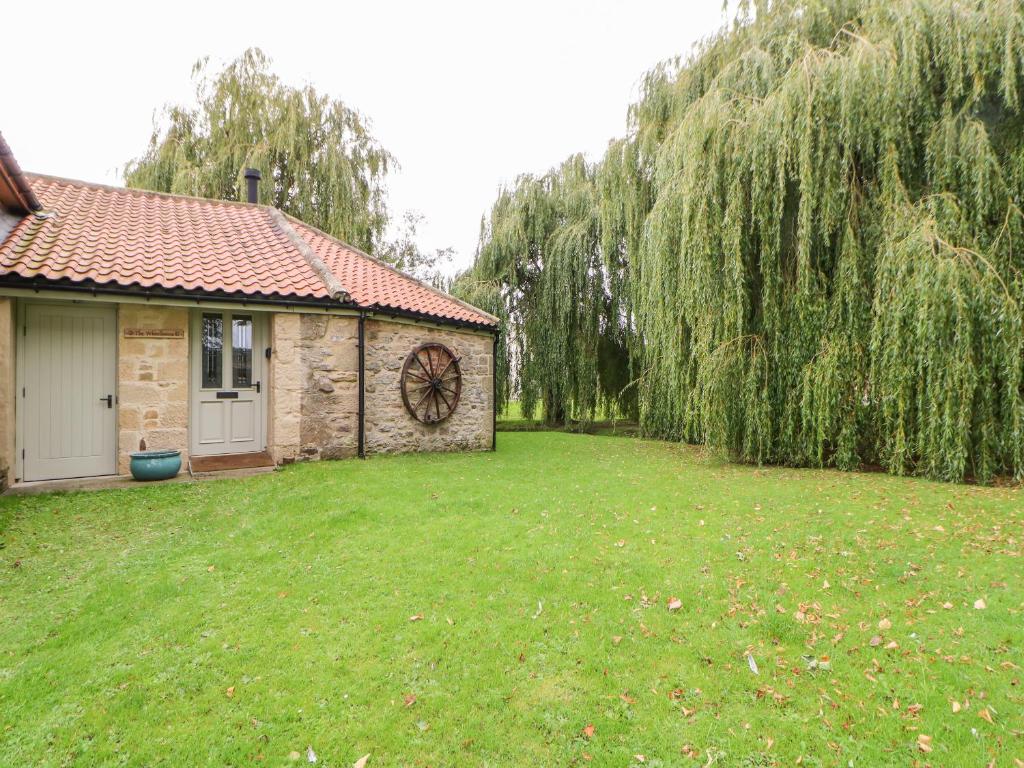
[{"x": 466, "y": 95}]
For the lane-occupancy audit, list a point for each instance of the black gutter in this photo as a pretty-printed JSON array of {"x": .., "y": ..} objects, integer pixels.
[
  {"x": 32, "y": 284},
  {"x": 409, "y": 314},
  {"x": 362, "y": 387},
  {"x": 170, "y": 293}
]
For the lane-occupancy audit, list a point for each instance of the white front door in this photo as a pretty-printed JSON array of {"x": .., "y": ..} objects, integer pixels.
[
  {"x": 68, "y": 368},
  {"x": 228, "y": 396}
]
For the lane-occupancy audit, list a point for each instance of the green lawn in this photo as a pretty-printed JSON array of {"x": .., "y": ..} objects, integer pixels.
[{"x": 512, "y": 609}]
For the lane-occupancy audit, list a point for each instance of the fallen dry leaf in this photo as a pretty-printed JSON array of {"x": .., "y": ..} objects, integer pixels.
[
  {"x": 674, "y": 603},
  {"x": 230, "y": 692},
  {"x": 588, "y": 732},
  {"x": 416, "y": 617},
  {"x": 955, "y": 706},
  {"x": 211, "y": 568},
  {"x": 884, "y": 624},
  {"x": 986, "y": 715},
  {"x": 361, "y": 762},
  {"x": 924, "y": 743},
  {"x": 979, "y": 605},
  {"x": 616, "y": 639},
  {"x": 409, "y": 699}
]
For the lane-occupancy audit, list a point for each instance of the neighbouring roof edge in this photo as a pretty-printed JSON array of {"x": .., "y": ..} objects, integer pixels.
[{"x": 13, "y": 177}]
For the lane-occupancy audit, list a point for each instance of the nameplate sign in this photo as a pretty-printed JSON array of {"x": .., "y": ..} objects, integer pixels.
[{"x": 154, "y": 333}]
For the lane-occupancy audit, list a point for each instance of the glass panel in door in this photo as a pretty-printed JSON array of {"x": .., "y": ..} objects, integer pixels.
[
  {"x": 212, "y": 355},
  {"x": 241, "y": 351}
]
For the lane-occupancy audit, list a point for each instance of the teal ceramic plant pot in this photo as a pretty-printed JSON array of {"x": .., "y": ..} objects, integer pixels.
[{"x": 155, "y": 465}]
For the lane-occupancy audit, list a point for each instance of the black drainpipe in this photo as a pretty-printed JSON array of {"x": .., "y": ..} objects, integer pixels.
[
  {"x": 362, "y": 394},
  {"x": 494, "y": 394}
]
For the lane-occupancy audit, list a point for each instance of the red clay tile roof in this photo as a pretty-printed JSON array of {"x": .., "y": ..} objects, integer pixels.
[
  {"x": 372, "y": 283},
  {"x": 106, "y": 236}
]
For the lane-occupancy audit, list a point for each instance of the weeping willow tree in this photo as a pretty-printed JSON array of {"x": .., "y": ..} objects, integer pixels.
[
  {"x": 541, "y": 266},
  {"x": 814, "y": 228},
  {"x": 319, "y": 161}
]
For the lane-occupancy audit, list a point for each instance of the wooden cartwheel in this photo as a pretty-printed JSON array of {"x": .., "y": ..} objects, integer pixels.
[{"x": 431, "y": 383}]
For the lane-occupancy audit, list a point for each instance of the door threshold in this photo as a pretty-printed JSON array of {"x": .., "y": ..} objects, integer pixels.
[
  {"x": 226, "y": 462},
  {"x": 96, "y": 482}
]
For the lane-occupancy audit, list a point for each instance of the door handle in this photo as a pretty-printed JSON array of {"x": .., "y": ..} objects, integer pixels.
[
  {"x": 109, "y": 399},
  {"x": 257, "y": 387}
]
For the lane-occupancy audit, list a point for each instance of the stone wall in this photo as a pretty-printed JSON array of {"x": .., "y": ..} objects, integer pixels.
[
  {"x": 314, "y": 397},
  {"x": 7, "y": 392},
  {"x": 286, "y": 387},
  {"x": 330, "y": 401},
  {"x": 153, "y": 376},
  {"x": 390, "y": 428}
]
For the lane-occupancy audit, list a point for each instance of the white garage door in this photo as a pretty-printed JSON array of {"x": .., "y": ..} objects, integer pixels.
[{"x": 69, "y": 359}]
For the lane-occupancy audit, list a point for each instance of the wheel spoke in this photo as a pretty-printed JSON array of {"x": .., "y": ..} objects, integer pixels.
[
  {"x": 419, "y": 362},
  {"x": 417, "y": 376},
  {"x": 441, "y": 395},
  {"x": 425, "y": 395},
  {"x": 446, "y": 367}
]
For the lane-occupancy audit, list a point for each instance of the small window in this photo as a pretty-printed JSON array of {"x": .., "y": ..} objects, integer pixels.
[
  {"x": 213, "y": 351},
  {"x": 241, "y": 352}
]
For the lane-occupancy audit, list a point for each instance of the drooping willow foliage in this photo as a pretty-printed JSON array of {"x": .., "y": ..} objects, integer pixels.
[
  {"x": 318, "y": 159},
  {"x": 809, "y": 242},
  {"x": 541, "y": 263}
]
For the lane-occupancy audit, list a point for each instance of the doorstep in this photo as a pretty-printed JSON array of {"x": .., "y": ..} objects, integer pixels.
[
  {"x": 229, "y": 461},
  {"x": 125, "y": 481}
]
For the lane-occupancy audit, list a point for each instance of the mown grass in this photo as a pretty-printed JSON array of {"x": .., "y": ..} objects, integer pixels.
[
  {"x": 511, "y": 419},
  {"x": 238, "y": 622}
]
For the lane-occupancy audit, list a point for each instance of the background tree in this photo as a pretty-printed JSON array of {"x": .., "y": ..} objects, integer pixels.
[
  {"x": 808, "y": 243},
  {"x": 404, "y": 253},
  {"x": 540, "y": 257},
  {"x": 319, "y": 161}
]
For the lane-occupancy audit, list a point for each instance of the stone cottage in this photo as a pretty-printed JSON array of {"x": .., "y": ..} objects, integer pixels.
[{"x": 229, "y": 331}]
